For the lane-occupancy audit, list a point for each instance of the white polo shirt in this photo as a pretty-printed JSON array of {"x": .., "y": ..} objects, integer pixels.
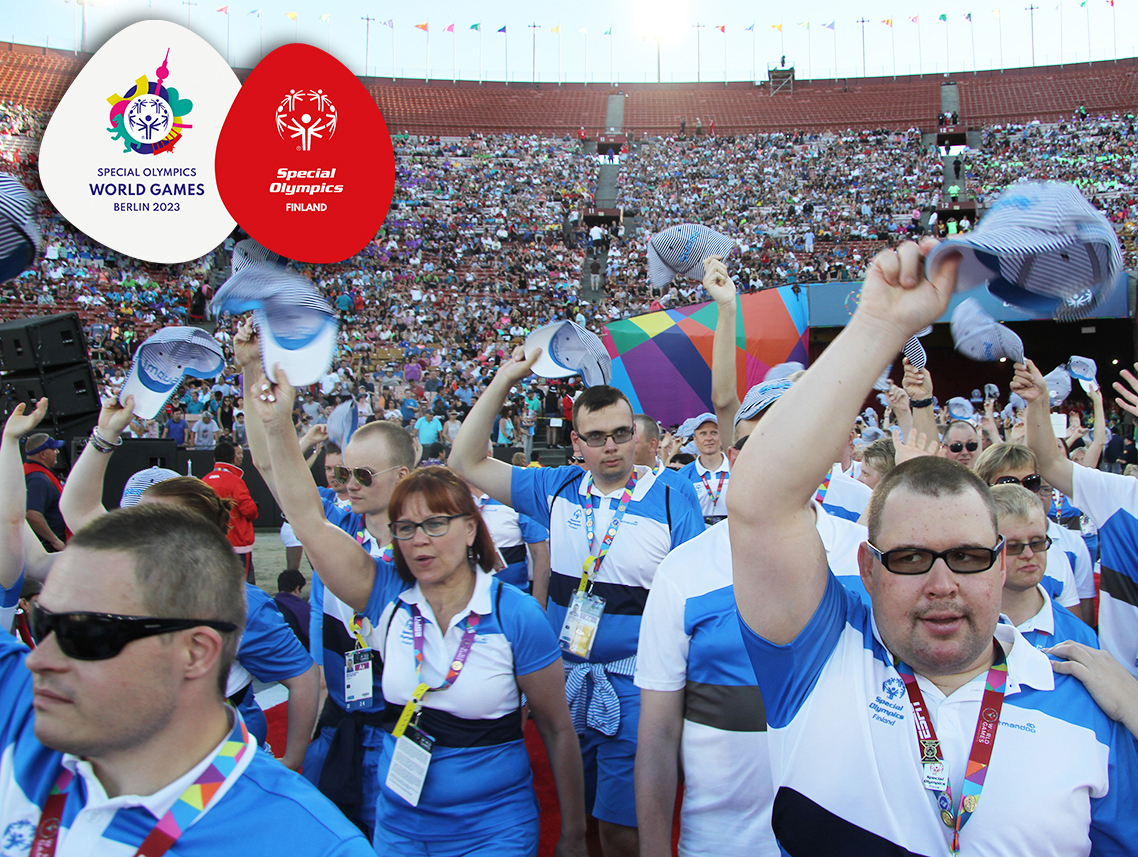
[{"x": 713, "y": 501}]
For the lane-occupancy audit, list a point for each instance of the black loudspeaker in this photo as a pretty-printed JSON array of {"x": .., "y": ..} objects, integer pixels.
[
  {"x": 71, "y": 392},
  {"x": 42, "y": 343}
]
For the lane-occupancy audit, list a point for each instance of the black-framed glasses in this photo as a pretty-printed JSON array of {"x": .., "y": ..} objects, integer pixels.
[
  {"x": 957, "y": 446},
  {"x": 99, "y": 636},
  {"x": 962, "y": 560},
  {"x": 435, "y": 526},
  {"x": 1037, "y": 546},
  {"x": 1032, "y": 482},
  {"x": 600, "y": 438},
  {"x": 364, "y": 475}
]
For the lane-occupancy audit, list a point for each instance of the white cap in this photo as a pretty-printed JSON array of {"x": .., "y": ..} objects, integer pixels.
[
  {"x": 569, "y": 349},
  {"x": 979, "y": 336},
  {"x": 138, "y": 483},
  {"x": 1084, "y": 370},
  {"x": 163, "y": 360}
]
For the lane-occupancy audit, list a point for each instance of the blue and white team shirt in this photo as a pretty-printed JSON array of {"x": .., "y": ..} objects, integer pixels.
[
  {"x": 1110, "y": 500},
  {"x": 713, "y": 501},
  {"x": 1053, "y": 625},
  {"x": 673, "y": 480},
  {"x": 656, "y": 521},
  {"x": 1059, "y": 579},
  {"x": 511, "y": 533},
  {"x": 479, "y": 779},
  {"x": 846, "y": 763},
  {"x": 690, "y": 641},
  {"x": 268, "y": 651},
  {"x": 9, "y": 601},
  {"x": 275, "y": 808},
  {"x": 1075, "y": 549},
  {"x": 842, "y": 495}
]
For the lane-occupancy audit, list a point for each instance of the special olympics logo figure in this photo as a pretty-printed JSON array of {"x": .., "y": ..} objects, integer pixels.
[
  {"x": 149, "y": 119},
  {"x": 304, "y": 123}
]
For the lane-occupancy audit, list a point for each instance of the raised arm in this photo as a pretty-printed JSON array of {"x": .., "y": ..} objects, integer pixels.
[
  {"x": 918, "y": 383},
  {"x": 1094, "y": 451},
  {"x": 13, "y": 492},
  {"x": 345, "y": 568},
  {"x": 780, "y": 569},
  {"x": 82, "y": 498},
  {"x": 468, "y": 455},
  {"x": 247, "y": 352},
  {"x": 724, "y": 378},
  {"x": 1054, "y": 466}
]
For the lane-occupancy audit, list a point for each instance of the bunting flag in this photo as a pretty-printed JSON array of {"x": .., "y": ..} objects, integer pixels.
[
  {"x": 556, "y": 29},
  {"x": 503, "y": 29},
  {"x": 584, "y": 30},
  {"x": 967, "y": 16},
  {"x": 422, "y": 27},
  {"x": 996, "y": 12},
  {"x": 449, "y": 28},
  {"x": 805, "y": 24},
  {"x": 389, "y": 23},
  {"x": 830, "y": 25},
  {"x": 224, "y": 9},
  {"x": 290, "y": 15},
  {"x": 776, "y": 27},
  {"x": 327, "y": 19},
  {"x": 477, "y": 27},
  {"x": 256, "y": 12},
  {"x": 607, "y": 32},
  {"x": 749, "y": 29},
  {"x": 915, "y": 19},
  {"x": 943, "y": 18},
  {"x": 888, "y": 22},
  {"x": 721, "y": 28}
]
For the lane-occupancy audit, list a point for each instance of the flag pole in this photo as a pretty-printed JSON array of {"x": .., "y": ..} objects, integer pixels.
[{"x": 427, "y": 54}]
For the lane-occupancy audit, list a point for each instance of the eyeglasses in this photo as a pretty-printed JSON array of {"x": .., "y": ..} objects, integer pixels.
[
  {"x": 99, "y": 636},
  {"x": 600, "y": 438},
  {"x": 1037, "y": 546},
  {"x": 964, "y": 560},
  {"x": 364, "y": 475},
  {"x": 434, "y": 527},
  {"x": 971, "y": 446},
  {"x": 1032, "y": 482},
  {"x": 577, "y": 460}
]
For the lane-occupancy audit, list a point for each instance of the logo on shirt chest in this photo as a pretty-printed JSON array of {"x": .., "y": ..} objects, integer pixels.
[
  {"x": 576, "y": 520},
  {"x": 886, "y": 708},
  {"x": 17, "y": 839}
]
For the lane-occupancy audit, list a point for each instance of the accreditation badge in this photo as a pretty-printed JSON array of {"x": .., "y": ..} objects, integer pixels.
[{"x": 580, "y": 629}]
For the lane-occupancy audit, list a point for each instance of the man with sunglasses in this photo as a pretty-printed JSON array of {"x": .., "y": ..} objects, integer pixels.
[
  {"x": 610, "y": 525},
  {"x": 961, "y": 443},
  {"x": 116, "y": 738},
  {"x": 919, "y": 725}
]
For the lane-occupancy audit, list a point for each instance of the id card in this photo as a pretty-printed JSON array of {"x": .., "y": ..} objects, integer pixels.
[
  {"x": 409, "y": 764},
  {"x": 358, "y": 681},
  {"x": 935, "y": 776},
  {"x": 580, "y": 629},
  {"x": 499, "y": 561}
]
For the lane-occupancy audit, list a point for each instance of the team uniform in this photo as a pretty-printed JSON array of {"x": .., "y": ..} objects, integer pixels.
[
  {"x": 690, "y": 641},
  {"x": 257, "y": 795},
  {"x": 1059, "y": 579},
  {"x": 343, "y": 758},
  {"x": 1053, "y": 625},
  {"x": 1111, "y": 502},
  {"x": 478, "y": 794},
  {"x": 511, "y": 533},
  {"x": 602, "y": 698},
  {"x": 9, "y": 601},
  {"x": 268, "y": 651},
  {"x": 673, "y": 480},
  {"x": 847, "y": 762},
  {"x": 842, "y": 495},
  {"x": 710, "y": 485},
  {"x": 1075, "y": 549}
]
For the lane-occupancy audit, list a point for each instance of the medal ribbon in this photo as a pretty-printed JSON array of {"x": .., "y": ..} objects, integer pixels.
[
  {"x": 192, "y": 803},
  {"x": 991, "y": 704},
  {"x": 822, "y": 489},
  {"x": 414, "y": 703},
  {"x": 593, "y": 562},
  {"x": 714, "y": 495}
]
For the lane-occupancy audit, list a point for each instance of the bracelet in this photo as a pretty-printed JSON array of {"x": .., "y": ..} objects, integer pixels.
[
  {"x": 101, "y": 444},
  {"x": 913, "y": 403}
]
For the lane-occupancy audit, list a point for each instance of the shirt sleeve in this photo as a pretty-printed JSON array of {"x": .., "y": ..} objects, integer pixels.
[
  {"x": 1100, "y": 494},
  {"x": 532, "y": 531},
  {"x": 687, "y": 522},
  {"x": 9, "y": 601},
  {"x": 243, "y": 500},
  {"x": 526, "y": 627},
  {"x": 269, "y": 649},
  {"x": 15, "y": 690},
  {"x": 316, "y": 619},
  {"x": 662, "y": 652},
  {"x": 386, "y": 588},
  {"x": 1059, "y": 568},
  {"x": 531, "y": 488}
]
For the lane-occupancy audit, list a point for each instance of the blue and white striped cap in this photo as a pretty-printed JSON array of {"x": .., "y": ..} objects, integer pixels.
[
  {"x": 706, "y": 417},
  {"x": 883, "y": 382},
  {"x": 343, "y": 422},
  {"x": 295, "y": 325},
  {"x": 1058, "y": 385},
  {"x": 567, "y": 349},
  {"x": 760, "y": 397},
  {"x": 137, "y": 484},
  {"x": 163, "y": 360},
  {"x": 20, "y": 238},
  {"x": 681, "y": 250},
  {"x": 979, "y": 336},
  {"x": 960, "y": 408},
  {"x": 686, "y": 428},
  {"x": 1084, "y": 370},
  {"x": 248, "y": 252},
  {"x": 1042, "y": 247},
  {"x": 915, "y": 353},
  {"x": 992, "y": 392},
  {"x": 783, "y": 370}
]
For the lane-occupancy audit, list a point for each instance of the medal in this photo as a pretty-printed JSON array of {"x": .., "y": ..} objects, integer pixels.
[
  {"x": 970, "y": 802},
  {"x": 930, "y": 748}
]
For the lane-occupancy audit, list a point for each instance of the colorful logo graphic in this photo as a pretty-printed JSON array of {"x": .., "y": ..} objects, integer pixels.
[
  {"x": 149, "y": 119},
  {"x": 306, "y": 115}
]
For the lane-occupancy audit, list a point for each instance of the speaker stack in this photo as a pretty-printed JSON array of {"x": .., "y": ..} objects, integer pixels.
[{"x": 47, "y": 356}]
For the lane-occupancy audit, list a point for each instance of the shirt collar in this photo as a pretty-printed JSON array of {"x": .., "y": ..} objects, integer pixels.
[
  {"x": 231, "y": 468},
  {"x": 723, "y": 465},
  {"x": 644, "y": 480},
  {"x": 1043, "y": 621},
  {"x": 480, "y": 601}
]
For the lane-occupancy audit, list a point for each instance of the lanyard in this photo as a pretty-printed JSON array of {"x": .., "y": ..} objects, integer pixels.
[
  {"x": 593, "y": 562},
  {"x": 822, "y": 489},
  {"x": 192, "y": 803},
  {"x": 718, "y": 491},
  {"x": 359, "y": 626},
  {"x": 991, "y": 704},
  {"x": 415, "y": 702}
]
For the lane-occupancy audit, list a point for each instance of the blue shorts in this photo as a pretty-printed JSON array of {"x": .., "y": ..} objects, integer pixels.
[
  {"x": 610, "y": 791},
  {"x": 520, "y": 840},
  {"x": 373, "y": 748}
]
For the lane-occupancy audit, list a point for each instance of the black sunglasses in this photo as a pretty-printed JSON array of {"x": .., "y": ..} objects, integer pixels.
[
  {"x": 1032, "y": 482},
  {"x": 965, "y": 560},
  {"x": 99, "y": 636},
  {"x": 971, "y": 446}
]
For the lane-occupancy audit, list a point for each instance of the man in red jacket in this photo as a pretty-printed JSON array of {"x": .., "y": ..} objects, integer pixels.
[{"x": 225, "y": 479}]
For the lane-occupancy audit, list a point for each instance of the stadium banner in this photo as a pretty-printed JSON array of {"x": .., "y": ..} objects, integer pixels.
[{"x": 662, "y": 360}]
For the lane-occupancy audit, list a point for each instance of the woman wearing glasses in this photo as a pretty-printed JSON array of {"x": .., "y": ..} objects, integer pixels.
[{"x": 458, "y": 649}]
